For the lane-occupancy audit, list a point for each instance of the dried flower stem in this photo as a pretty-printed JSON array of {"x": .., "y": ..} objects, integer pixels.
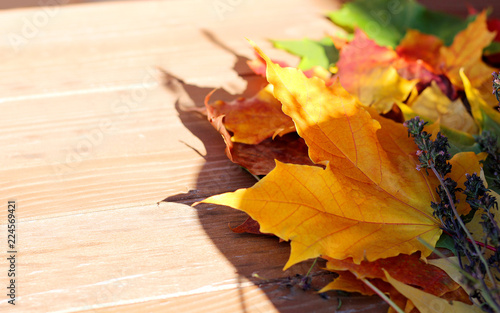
[
  {"x": 382, "y": 295},
  {"x": 464, "y": 228},
  {"x": 433, "y": 154},
  {"x": 486, "y": 291}
]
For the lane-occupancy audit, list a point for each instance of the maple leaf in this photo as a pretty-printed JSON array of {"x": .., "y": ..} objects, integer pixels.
[
  {"x": 340, "y": 39},
  {"x": 368, "y": 192},
  {"x": 420, "y": 275},
  {"x": 408, "y": 269},
  {"x": 419, "y": 59},
  {"x": 418, "y": 46},
  {"x": 466, "y": 52},
  {"x": 347, "y": 281},
  {"x": 259, "y": 159},
  {"x": 366, "y": 71},
  {"x": 493, "y": 23},
  {"x": 430, "y": 278},
  {"x": 249, "y": 226},
  {"x": 484, "y": 92},
  {"x": 485, "y": 116},
  {"x": 426, "y": 302},
  {"x": 432, "y": 104},
  {"x": 494, "y": 26},
  {"x": 252, "y": 120},
  {"x": 258, "y": 65}
]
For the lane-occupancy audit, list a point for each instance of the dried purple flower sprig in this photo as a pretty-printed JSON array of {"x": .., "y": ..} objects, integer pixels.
[
  {"x": 433, "y": 155},
  {"x": 496, "y": 86},
  {"x": 488, "y": 142}
]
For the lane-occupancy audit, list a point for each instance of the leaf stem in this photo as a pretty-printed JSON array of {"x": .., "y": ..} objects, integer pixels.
[
  {"x": 257, "y": 178},
  {"x": 310, "y": 269},
  {"x": 382, "y": 295},
  {"x": 479, "y": 243}
]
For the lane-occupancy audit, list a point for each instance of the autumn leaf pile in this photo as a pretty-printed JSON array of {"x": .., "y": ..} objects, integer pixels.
[{"x": 341, "y": 174}]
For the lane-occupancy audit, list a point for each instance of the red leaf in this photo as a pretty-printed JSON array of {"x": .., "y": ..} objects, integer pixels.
[
  {"x": 249, "y": 226},
  {"x": 260, "y": 159},
  {"x": 430, "y": 278}
]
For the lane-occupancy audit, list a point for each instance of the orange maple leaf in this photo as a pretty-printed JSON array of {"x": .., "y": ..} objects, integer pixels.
[
  {"x": 418, "y": 58},
  {"x": 252, "y": 120},
  {"x": 466, "y": 52},
  {"x": 417, "y": 46},
  {"x": 369, "y": 203}
]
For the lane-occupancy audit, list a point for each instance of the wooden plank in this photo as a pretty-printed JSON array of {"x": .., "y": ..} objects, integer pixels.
[
  {"x": 262, "y": 298},
  {"x": 141, "y": 156},
  {"x": 10, "y": 4},
  {"x": 84, "y": 46},
  {"x": 155, "y": 254},
  {"x": 94, "y": 116}
]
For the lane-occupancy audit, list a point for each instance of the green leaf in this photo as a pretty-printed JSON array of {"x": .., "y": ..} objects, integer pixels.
[
  {"x": 313, "y": 53},
  {"x": 493, "y": 48},
  {"x": 447, "y": 242},
  {"x": 460, "y": 141},
  {"x": 386, "y": 22},
  {"x": 491, "y": 121},
  {"x": 490, "y": 178}
]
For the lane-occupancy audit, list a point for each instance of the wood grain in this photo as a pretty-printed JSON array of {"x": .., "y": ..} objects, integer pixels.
[
  {"x": 95, "y": 133},
  {"x": 91, "y": 112}
]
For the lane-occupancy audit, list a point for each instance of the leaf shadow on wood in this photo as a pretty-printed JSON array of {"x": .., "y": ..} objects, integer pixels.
[{"x": 264, "y": 256}]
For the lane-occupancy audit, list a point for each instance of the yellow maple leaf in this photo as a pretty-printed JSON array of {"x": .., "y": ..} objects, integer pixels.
[
  {"x": 432, "y": 104},
  {"x": 485, "y": 93},
  {"x": 484, "y": 115},
  {"x": 368, "y": 203},
  {"x": 466, "y": 52}
]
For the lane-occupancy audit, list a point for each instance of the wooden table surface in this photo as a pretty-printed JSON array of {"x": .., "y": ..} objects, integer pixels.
[{"x": 94, "y": 134}]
